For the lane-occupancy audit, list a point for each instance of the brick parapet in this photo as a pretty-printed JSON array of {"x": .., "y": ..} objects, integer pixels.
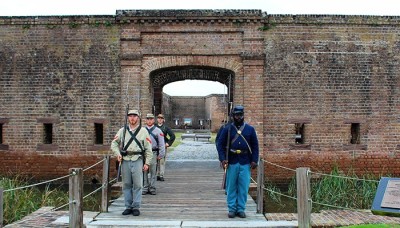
[
  {"x": 238, "y": 17},
  {"x": 333, "y": 19}
]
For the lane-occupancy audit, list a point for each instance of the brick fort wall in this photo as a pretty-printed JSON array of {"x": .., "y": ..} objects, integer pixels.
[{"x": 324, "y": 74}]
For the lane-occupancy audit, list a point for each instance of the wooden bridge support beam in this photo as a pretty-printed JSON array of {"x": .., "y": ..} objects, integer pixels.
[
  {"x": 104, "y": 191},
  {"x": 76, "y": 197},
  {"x": 260, "y": 188},
  {"x": 303, "y": 197},
  {"x": 1, "y": 207}
]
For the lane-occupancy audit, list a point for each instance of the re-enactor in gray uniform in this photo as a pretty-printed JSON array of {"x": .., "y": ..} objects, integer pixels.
[
  {"x": 132, "y": 164},
  {"x": 158, "y": 147}
]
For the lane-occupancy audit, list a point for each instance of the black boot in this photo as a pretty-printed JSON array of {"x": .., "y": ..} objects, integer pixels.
[
  {"x": 127, "y": 211},
  {"x": 135, "y": 212},
  {"x": 241, "y": 214},
  {"x": 231, "y": 214}
]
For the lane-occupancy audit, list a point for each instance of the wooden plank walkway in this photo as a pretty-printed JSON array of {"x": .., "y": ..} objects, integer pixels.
[{"x": 190, "y": 194}]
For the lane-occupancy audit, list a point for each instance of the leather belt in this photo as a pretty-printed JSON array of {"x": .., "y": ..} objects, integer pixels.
[
  {"x": 134, "y": 152},
  {"x": 238, "y": 151}
]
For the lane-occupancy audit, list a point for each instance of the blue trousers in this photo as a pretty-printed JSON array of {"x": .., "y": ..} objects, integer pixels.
[{"x": 237, "y": 186}]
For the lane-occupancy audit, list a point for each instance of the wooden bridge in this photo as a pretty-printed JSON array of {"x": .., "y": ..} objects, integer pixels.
[{"x": 190, "y": 196}]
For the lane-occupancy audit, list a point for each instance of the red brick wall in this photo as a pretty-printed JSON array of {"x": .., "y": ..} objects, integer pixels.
[
  {"x": 188, "y": 107},
  {"x": 212, "y": 109},
  {"x": 329, "y": 76},
  {"x": 216, "y": 110},
  {"x": 324, "y": 71}
]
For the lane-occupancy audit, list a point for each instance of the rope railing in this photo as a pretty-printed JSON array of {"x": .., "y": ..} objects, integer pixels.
[
  {"x": 270, "y": 190},
  {"x": 111, "y": 181},
  {"x": 94, "y": 191},
  {"x": 283, "y": 167},
  {"x": 339, "y": 207},
  {"x": 345, "y": 177},
  {"x": 37, "y": 184},
  {"x": 52, "y": 180},
  {"x": 314, "y": 202},
  {"x": 58, "y": 208},
  {"x": 39, "y": 215},
  {"x": 322, "y": 174},
  {"x": 105, "y": 184},
  {"x": 304, "y": 199},
  {"x": 93, "y": 165}
]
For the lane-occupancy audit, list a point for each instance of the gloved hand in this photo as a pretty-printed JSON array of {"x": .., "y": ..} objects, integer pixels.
[
  {"x": 253, "y": 165},
  {"x": 224, "y": 164}
]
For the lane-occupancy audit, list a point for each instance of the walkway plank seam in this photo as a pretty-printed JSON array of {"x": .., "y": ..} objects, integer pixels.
[{"x": 191, "y": 194}]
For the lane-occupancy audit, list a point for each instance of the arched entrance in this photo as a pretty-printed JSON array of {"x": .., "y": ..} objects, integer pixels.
[
  {"x": 160, "y": 77},
  {"x": 157, "y": 71}
]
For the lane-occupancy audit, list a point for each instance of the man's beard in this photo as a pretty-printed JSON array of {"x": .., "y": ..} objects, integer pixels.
[
  {"x": 133, "y": 122},
  {"x": 238, "y": 121}
]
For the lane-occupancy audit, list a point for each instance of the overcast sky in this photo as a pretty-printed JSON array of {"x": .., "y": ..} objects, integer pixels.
[{"x": 190, "y": 87}]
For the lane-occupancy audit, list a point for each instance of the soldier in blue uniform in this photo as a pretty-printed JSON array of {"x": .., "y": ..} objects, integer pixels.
[{"x": 240, "y": 139}]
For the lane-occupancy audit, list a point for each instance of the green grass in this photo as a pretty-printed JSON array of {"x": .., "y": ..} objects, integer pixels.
[
  {"x": 177, "y": 141},
  {"x": 373, "y": 226},
  {"x": 19, "y": 203},
  {"x": 337, "y": 191},
  {"x": 344, "y": 192}
]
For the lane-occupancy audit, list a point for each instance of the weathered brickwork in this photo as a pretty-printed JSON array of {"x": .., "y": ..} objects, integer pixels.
[
  {"x": 62, "y": 75},
  {"x": 216, "y": 110},
  {"x": 205, "y": 112},
  {"x": 336, "y": 76},
  {"x": 329, "y": 76}
]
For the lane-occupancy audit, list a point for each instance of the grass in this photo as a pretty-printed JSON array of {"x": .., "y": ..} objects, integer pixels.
[
  {"x": 19, "y": 203},
  {"x": 177, "y": 141},
  {"x": 357, "y": 193},
  {"x": 344, "y": 192},
  {"x": 373, "y": 226},
  {"x": 336, "y": 191}
]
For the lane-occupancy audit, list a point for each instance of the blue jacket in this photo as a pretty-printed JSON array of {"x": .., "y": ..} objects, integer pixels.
[{"x": 249, "y": 134}]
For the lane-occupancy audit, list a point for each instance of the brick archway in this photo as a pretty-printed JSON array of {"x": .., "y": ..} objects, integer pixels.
[
  {"x": 157, "y": 72},
  {"x": 161, "y": 77}
]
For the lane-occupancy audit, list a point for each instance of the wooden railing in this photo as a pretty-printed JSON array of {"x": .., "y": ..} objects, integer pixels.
[{"x": 76, "y": 194}]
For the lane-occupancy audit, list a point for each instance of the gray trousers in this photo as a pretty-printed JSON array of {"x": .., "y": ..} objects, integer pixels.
[
  {"x": 132, "y": 179},
  {"x": 149, "y": 181},
  {"x": 161, "y": 170}
]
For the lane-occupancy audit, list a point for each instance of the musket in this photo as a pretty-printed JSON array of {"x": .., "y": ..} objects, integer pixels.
[
  {"x": 228, "y": 146},
  {"x": 122, "y": 151},
  {"x": 228, "y": 142},
  {"x": 223, "y": 186}
]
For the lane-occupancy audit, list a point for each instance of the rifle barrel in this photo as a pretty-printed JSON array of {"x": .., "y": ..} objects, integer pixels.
[
  {"x": 224, "y": 180},
  {"x": 125, "y": 126},
  {"x": 119, "y": 170}
]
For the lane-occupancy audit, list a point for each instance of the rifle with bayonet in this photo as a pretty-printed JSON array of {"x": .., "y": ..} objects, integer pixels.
[
  {"x": 122, "y": 151},
  {"x": 228, "y": 147}
]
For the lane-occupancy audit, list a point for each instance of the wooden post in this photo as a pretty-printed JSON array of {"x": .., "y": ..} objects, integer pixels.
[
  {"x": 76, "y": 197},
  {"x": 303, "y": 197},
  {"x": 104, "y": 190},
  {"x": 260, "y": 187},
  {"x": 1, "y": 207}
]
